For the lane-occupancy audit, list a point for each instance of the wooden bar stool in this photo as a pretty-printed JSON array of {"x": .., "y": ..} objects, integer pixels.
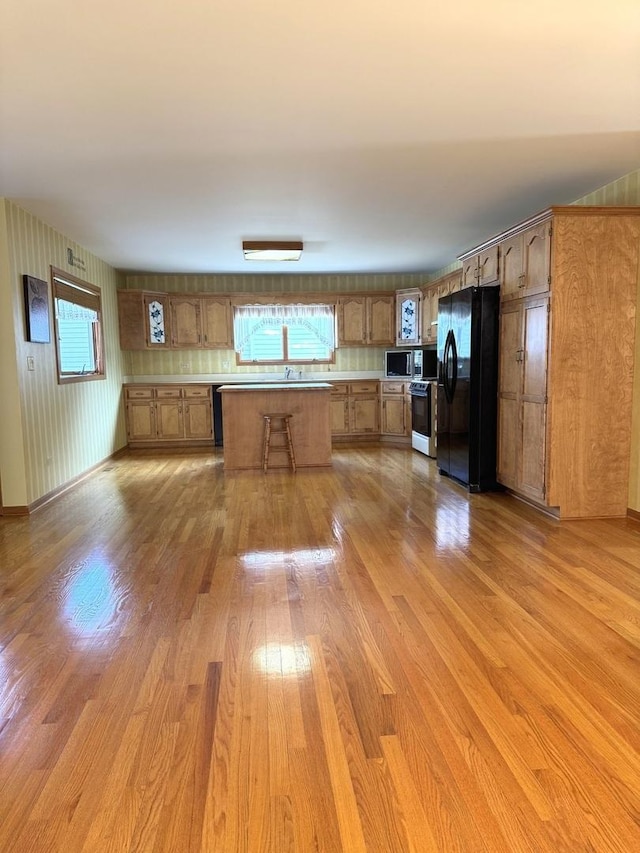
[{"x": 280, "y": 426}]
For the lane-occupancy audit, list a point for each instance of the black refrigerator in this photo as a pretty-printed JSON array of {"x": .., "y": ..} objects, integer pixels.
[{"x": 467, "y": 400}]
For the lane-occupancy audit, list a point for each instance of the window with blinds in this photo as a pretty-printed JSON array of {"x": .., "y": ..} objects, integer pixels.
[{"x": 78, "y": 328}]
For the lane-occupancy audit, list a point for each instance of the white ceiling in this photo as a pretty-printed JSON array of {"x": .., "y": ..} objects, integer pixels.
[{"x": 388, "y": 137}]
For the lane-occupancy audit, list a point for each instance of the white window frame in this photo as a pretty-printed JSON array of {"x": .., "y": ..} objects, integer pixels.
[{"x": 278, "y": 315}]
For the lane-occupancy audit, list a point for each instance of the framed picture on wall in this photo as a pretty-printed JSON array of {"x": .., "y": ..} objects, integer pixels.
[{"x": 36, "y": 308}]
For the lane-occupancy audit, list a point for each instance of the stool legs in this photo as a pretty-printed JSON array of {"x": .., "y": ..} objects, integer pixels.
[
  {"x": 266, "y": 443},
  {"x": 280, "y": 427},
  {"x": 292, "y": 458}
]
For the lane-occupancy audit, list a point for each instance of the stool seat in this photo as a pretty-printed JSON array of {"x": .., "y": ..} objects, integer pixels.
[{"x": 277, "y": 423}]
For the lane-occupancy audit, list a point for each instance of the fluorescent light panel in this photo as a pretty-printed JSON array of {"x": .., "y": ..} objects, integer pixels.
[{"x": 272, "y": 250}]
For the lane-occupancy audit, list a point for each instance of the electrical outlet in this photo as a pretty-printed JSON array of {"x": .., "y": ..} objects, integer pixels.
[
  {"x": 225, "y": 365},
  {"x": 31, "y": 363},
  {"x": 185, "y": 365}
]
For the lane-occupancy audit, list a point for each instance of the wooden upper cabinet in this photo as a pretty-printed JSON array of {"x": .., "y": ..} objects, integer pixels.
[
  {"x": 217, "y": 325},
  {"x": 429, "y": 315},
  {"x": 380, "y": 320},
  {"x": 470, "y": 272},
  {"x": 525, "y": 266},
  {"x": 536, "y": 252},
  {"x": 352, "y": 320},
  {"x": 511, "y": 275},
  {"x": 450, "y": 283},
  {"x": 201, "y": 322},
  {"x": 143, "y": 319},
  {"x": 480, "y": 268},
  {"x": 408, "y": 317},
  {"x": 365, "y": 320},
  {"x": 186, "y": 326},
  {"x": 488, "y": 266}
]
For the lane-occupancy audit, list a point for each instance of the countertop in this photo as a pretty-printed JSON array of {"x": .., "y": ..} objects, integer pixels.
[
  {"x": 248, "y": 378},
  {"x": 290, "y": 385}
]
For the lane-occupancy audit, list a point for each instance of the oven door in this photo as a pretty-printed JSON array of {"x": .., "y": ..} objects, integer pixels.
[{"x": 422, "y": 432}]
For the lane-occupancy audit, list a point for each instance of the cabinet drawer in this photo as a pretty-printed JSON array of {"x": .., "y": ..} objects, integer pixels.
[
  {"x": 392, "y": 387},
  {"x": 197, "y": 391},
  {"x": 139, "y": 393},
  {"x": 364, "y": 387},
  {"x": 339, "y": 389},
  {"x": 167, "y": 393}
]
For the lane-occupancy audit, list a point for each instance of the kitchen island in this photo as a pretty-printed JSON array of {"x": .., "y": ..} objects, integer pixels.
[{"x": 243, "y": 408}]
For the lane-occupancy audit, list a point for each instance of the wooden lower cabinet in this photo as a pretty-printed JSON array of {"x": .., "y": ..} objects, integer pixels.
[
  {"x": 354, "y": 408},
  {"x": 395, "y": 414},
  {"x": 141, "y": 420},
  {"x": 522, "y": 396},
  {"x": 169, "y": 414}
]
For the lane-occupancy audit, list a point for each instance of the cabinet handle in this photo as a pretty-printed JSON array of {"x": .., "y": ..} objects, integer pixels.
[{"x": 523, "y": 280}]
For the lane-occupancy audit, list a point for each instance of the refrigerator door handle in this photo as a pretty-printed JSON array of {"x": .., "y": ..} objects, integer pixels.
[
  {"x": 448, "y": 391},
  {"x": 454, "y": 360}
]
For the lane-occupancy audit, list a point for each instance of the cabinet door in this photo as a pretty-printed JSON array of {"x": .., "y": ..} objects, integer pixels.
[
  {"x": 198, "y": 418},
  {"x": 455, "y": 282},
  {"x": 408, "y": 317},
  {"x": 393, "y": 416},
  {"x": 364, "y": 414},
  {"x": 509, "y": 388},
  {"x": 511, "y": 274},
  {"x": 131, "y": 320},
  {"x": 535, "y": 322},
  {"x": 522, "y": 396},
  {"x": 169, "y": 423},
  {"x": 339, "y": 409},
  {"x": 352, "y": 322},
  {"x": 186, "y": 329},
  {"x": 488, "y": 266},
  {"x": 470, "y": 272},
  {"x": 216, "y": 323},
  {"x": 143, "y": 319},
  {"x": 156, "y": 310},
  {"x": 141, "y": 425},
  {"x": 536, "y": 263},
  {"x": 430, "y": 315},
  {"x": 380, "y": 330}
]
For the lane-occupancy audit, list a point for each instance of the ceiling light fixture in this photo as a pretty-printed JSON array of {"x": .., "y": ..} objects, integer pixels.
[{"x": 271, "y": 250}]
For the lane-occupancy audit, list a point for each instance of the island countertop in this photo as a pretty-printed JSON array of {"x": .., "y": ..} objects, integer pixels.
[{"x": 244, "y": 407}]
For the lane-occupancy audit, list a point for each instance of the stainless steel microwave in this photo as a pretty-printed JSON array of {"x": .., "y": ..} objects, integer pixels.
[{"x": 410, "y": 364}]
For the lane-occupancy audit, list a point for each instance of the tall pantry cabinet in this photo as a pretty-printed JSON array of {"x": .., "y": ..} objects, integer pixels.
[{"x": 567, "y": 335}]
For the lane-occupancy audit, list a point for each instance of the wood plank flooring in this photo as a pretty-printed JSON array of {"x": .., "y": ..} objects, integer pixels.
[{"x": 358, "y": 659}]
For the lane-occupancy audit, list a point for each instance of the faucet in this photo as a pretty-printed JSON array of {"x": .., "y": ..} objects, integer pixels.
[{"x": 288, "y": 373}]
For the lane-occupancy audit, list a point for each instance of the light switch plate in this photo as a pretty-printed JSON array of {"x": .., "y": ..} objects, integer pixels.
[{"x": 31, "y": 363}]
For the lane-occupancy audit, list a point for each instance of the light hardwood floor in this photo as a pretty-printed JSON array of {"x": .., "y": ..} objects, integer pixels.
[{"x": 358, "y": 659}]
